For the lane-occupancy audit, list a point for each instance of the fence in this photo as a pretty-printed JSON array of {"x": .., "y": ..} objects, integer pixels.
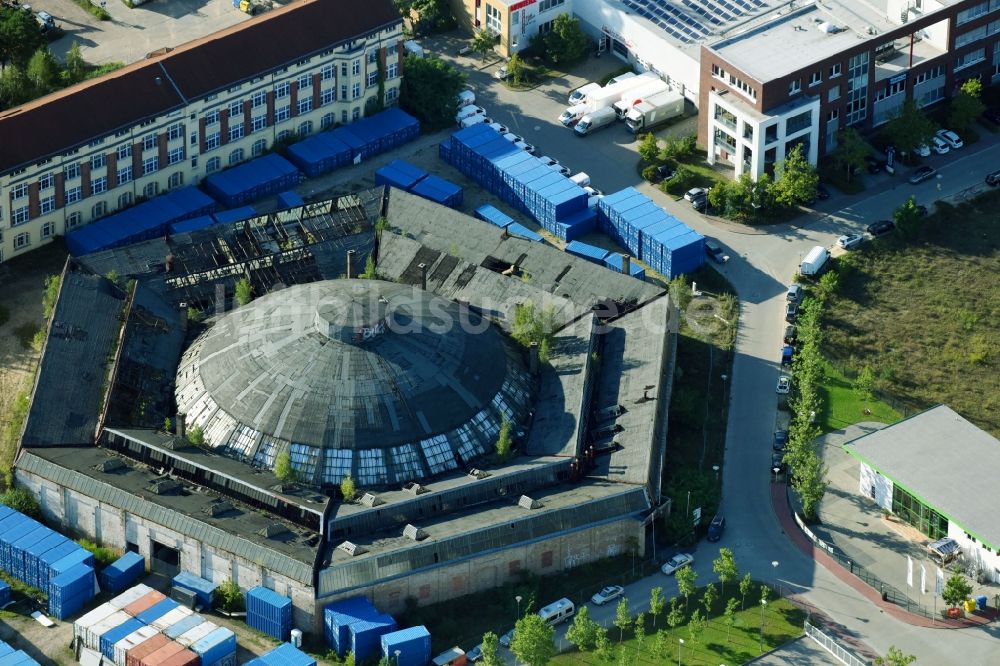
[{"x": 831, "y": 645}]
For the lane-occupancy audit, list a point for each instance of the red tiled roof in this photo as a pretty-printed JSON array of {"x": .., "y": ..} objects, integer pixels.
[{"x": 76, "y": 115}]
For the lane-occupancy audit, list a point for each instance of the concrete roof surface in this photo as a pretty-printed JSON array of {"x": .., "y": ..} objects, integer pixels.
[{"x": 944, "y": 460}]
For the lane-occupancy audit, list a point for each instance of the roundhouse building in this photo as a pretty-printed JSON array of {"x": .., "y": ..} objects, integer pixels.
[{"x": 401, "y": 382}]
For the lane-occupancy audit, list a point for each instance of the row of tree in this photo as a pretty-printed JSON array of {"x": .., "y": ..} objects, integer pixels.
[
  {"x": 42, "y": 74},
  {"x": 795, "y": 182}
]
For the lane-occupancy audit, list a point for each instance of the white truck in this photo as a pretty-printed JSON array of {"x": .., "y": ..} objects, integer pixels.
[
  {"x": 611, "y": 93},
  {"x": 813, "y": 262},
  {"x": 595, "y": 120},
  {"x": 579, "y": 95},
  {"x": 640, "y": 94},
  {"x": 654, "y": 110}
]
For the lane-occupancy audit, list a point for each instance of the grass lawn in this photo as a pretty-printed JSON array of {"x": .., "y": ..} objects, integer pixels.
[
  {"x": 843, "y": 407},
  {"x": 924, "y": 314},
  {"x": 717, "y": 644}
]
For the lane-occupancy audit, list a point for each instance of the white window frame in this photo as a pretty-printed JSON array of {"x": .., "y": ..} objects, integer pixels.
[
  {"x": 235, "y": 132},
  {"x": 73, "y": 194},
  {"x": 151, "y": 165}
]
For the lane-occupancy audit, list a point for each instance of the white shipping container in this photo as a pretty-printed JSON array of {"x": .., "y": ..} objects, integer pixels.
[
  {"x": 192, "y": 636},
  {"x": 130, "y": 595},
  {"x": 171, "y": 618},
  {"x": 92, "y": 635},
  {"x": 134, "y": 639},
  {"x": 92, "y": 618}
]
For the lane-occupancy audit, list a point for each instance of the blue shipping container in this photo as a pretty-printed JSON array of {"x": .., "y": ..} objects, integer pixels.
[
  {"x": 157, "y": 611},
  {"x": 366, "y": 635},
  {"x": 202, "y": 588},
  {"x": 78, "y": 556},
  {"x": 286, "y": 654},
  {"x": 217, "y": 646},
  {"x": 4, "y": 594},
  {"x": 269, "y": 612},
  {"x": 289, "y": 200},
  {"x": 121, "y": 573},
  {"x": 413, "y": 645},
  {"x": 71, "y": 591},
  {"x": 183, "y": 626},
  {"x": 522, "y": 231},
  {"x": 588, "y": 252},
  {"x": 338, "y": 616},
  {"x": 112, "y": 636}
]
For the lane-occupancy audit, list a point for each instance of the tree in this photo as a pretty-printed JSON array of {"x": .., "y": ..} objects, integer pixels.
[
  {"x": 533, "y": 641},
  {"x": 894, "y": 657},
  {"x": 724, "y": 567},
  {"x": 505, "y": 442},
  {"x": 649, "y": 148},
  {"x": 583, "y": 632},
  {"x": 657, "y": 603},
  {"x": 745, "y": 586},
  {"x": 370, "y": 272},
  {"x": 662, "y": 645},
  {"x": 708, "y": 598},
  {"x": 910, "y": 128},
  {"x": 429, "y": 90},
  {"x": 516, "y": 70},
  {"x": 809, "y": 481},
  {"x": 50, "y": 294},
  {"x": 230, "y": 597},
  {"x": 15, "y": 88},
  {"x": 864, "y": 385},
  {"x": 196, "y": 436},
  {"x": 348, "y": 489},
  {"x": 640, "y": 630},
  {"x": 730, "y": 614},
  {"x": 796, "y": 180},
  {"x": 603, "y": 647},
  {"x": 531, "y": 325},
  {"x": 565, "y": 43},
  {"x": 966, "y": 106},
  {"x": 43, "y": 71},
  {"x": 431, "y": 15},
  {"x": 21, "y": 500},
  {"x": 686, "y": 577},
  {"x": 483, "y": 42},
  {"x": 19, "y": 36},
  {"x": 283, "y": 469},
  {"x": 244, "y": 292},
  {"x": 491, "y": 650},
  {"x": 623, "y": 619},
  {"x": 765, "y": 594},
  {"x": 827, "y": 285},
  {"x": 675, "y": 617},
  {"x": 679, "y": 148},
  {"x": 76, "y": 66},
  {"x": 349, "y": 660},
  {"x": 851, "y": 151},
  {"x": 956, "y": 590},
  {"x": 696, "y": 625},
  {"x": 908, "y": 218}
]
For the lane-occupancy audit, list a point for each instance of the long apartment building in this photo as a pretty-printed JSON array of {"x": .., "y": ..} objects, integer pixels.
[
  {"x": 801, "y": 75},
  {"x": 85, "y": 152}
]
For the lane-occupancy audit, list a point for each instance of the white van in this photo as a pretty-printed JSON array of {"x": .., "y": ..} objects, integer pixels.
[
  {"x": 557, "y": 612},
  {"x": 466, "y": 98},
  {"x": 411, "y": 46},
  {"x": 581, "y": 179},
  {"x": 469, "y": 121},
  {"x": 573, "y": 114},
  {"x": 467, "y": 111},
  {"x": 813, "y": 262}
]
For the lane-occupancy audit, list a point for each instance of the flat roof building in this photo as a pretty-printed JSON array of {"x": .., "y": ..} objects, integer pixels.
[{"x": 936, "y": 471}]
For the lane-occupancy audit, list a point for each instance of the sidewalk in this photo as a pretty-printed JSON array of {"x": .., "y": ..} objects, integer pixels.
[{"x": 876, "y": 546}]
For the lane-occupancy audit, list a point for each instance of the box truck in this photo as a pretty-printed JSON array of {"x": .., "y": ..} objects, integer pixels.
[
  {"x": 640, "y": 94},
  {"x": 595, "y": 120},
  {"x": 613, "y": 92},
  {"x": 654, "y": 110},
  {"x": 813, "y": 262},
  {"x": 579, "y": 95}
]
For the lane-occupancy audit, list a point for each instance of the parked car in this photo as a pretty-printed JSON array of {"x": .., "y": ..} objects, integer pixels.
[
  {"x": 676, "y": 562},
  {"x": 591, "y": 191},
  {"x": 716, "y": 528},
  {"x": 850, "y": 241},
  {"x": 609, "y": 593},
  {"x": 507, "y": 638},
  {"x": 922, "y": 210},
  {"x": 922, "y": 174},
  {"x": 694, "y": 193},
  {"x": 787, "y": 352},
  {"x": 923, "y": 150},
  {"x": 791, "y": 312},
  {"x": 791, "y": 334},
  {"x": 501, "y": 73},
  {"x": 475, "y": 654},
  {"x": 949, "y": 137},
  {"x": 700, "y": 204},
  {"x": 780, "y": 440},
  {"x": 715, "y": 252},
  {"x": 501, "y": 129},
  {"x": 784, "y": 385},
  {"x": 939, "y": 145},
  {"x": 794, "y": 293},
  {"x": 875, "y": 165},
  {"x": 993, "y": 179},
  {"x": 777, "y": 462},
  {"x": 663, "y": 173},
  {"x": 881, "y": 227},
  {"x": 513, "y": 138},
  {"x": 525, "y": 146}
]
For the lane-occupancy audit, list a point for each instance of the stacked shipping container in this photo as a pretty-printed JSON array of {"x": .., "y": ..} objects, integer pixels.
[
  {"x": 517, "y": 178},
  {"x": 337, "y": 617},
  {"x": 399, "y": 174},
  {"x": 251, "y": 180},
  {"x": 366, "y": 635},
  {"x": 413, "y": 646},
  {"x": 204, "y": 589},
  {"x": 269, "y": 612},
  {"x": 634, "y": 221},
  {"x": 439, "y": 190}
]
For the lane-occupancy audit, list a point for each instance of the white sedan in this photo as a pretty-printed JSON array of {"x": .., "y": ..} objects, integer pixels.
[
  {"x": 784, "y": 385},
  {"x": 608, "y": 594},
  {"x": 676, "y": 562},
  {"x": 949, "y": 137},
  {"x": 850, "y": 241}
]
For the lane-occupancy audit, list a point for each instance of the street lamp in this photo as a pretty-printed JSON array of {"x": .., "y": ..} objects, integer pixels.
[
  {"x": 680, "y": 644},
  {"x": 774, "y": 565},
  {"x": 715, "y": 468},
  {"x": 397, "y": 653},
  {"x": 763, "y": 603},
  {"x": 725, "y": 396},
  {"x": 518, "y": 599}
]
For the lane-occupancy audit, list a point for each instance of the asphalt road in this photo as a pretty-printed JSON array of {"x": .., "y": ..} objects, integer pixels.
[{"x": 762, "y": 262}]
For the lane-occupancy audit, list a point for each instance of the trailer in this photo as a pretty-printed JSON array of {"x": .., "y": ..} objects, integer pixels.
[
  {"x": 611, "y": 93},
  {"x": 637, "y": 95},
  {"x": 655, "y": 110}
]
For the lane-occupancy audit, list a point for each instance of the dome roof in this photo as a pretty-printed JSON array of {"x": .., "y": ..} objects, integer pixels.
[{"x": 349, "y": 373}]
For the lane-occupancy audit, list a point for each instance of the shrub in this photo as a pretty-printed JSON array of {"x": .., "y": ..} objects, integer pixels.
[
  {"x": 244, "y": 292},
  {"x": 283, "y": 469},
  {"x": 649, "y": 173},
  {"x": 21, "y": 500},
  {"x": 229, "y": 596},
  {"x": 103, "y": 556},
  {"x": 196, "y": 436},
  {"x": 348, "y": 489}
]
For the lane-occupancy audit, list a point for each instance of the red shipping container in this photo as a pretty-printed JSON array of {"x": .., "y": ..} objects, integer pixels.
[
  {"x": 183, "y": 658},
  {"x": 166, "y": 652},
  {"x": 144, "y": 602},
  {"x": 134, "y": 656}
]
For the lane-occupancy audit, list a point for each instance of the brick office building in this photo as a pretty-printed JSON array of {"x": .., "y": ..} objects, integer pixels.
[{"x": 799, "y": 75}]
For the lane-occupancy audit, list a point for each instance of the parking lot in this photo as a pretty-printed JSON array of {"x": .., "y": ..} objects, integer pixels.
[{"x": 133, "y": 33}]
